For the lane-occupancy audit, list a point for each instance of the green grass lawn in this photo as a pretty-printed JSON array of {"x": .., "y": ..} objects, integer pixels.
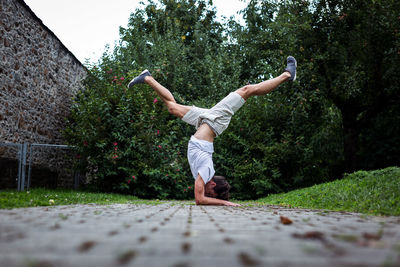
[
  {"x": 47, "y": 197},
  {"x": 370, "y": 192}
]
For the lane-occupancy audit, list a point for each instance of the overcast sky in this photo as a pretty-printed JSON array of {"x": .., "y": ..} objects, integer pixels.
[{"x": 86, "y": 26}]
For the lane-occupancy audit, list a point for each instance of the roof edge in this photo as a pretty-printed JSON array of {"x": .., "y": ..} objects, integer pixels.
[{"x": 22, "y": 2}]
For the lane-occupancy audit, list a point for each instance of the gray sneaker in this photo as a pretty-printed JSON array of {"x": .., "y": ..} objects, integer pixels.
[
  {"x": 139, "y": 79},
  {"x": 291, "y": 67}
]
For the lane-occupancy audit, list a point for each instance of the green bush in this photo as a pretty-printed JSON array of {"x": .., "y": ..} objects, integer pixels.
[{"x": 123, "y": 138}]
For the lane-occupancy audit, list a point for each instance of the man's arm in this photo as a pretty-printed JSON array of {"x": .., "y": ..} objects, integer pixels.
[{"x": 201, "y": 199}]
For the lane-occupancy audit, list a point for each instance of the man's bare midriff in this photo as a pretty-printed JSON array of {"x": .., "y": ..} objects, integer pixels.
[{"x": 204, "y": 132}]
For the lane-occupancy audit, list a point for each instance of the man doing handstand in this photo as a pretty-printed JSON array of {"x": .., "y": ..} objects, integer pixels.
[{"x": 210, "y": 189}]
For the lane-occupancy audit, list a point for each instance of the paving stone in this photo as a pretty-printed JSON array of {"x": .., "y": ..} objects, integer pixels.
[{"x": 180, "y": 234}]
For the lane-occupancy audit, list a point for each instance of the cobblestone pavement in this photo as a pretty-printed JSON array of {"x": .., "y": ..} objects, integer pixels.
[{"x": 180, "y": 234}]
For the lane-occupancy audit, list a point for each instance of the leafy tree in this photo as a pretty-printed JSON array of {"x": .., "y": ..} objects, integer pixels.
[{"x": 356, "y": 50}]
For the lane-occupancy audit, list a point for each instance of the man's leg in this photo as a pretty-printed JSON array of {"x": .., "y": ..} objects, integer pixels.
[
  {"x": 166, "y": 96},
  {"x": 264, "y": 87}
]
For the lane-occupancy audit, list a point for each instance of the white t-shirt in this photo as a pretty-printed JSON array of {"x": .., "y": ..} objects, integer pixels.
[{"x": 200, "y": 158}]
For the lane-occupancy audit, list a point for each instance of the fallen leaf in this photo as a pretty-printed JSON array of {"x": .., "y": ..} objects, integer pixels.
[
  {"x": 228, "y": 240},
  {"x": 310, "y": 235},
  {"x": 286, "y": 220},
  {"x": 248, "y": 260},
  {"x": 186, "y": 247},
  {"x": 86, "y": 246},
  {"x": 370, "y": 236},
  {"x": 126, "y": 256}
]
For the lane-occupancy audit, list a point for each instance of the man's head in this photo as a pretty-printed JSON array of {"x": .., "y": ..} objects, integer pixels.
[{"x": 218, "y": 187}]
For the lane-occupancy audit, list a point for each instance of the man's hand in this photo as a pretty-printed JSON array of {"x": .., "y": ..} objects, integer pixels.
[{"x": 227, "y": 203}]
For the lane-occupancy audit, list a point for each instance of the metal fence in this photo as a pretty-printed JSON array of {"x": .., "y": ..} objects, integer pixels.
[{"x": 23, "y": 154}]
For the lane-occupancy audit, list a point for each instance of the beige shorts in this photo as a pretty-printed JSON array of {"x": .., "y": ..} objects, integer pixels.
[{"x": 218, "y": 117}]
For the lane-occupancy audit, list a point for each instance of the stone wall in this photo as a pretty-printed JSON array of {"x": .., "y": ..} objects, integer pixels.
[{"x": 38, "y": 78}]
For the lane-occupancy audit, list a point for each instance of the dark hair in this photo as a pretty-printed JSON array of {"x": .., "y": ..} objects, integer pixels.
[{"x": 222, "y": 187}]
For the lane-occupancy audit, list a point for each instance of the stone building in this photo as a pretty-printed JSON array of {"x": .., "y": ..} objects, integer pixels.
[{"x": 38, "y": 78}]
